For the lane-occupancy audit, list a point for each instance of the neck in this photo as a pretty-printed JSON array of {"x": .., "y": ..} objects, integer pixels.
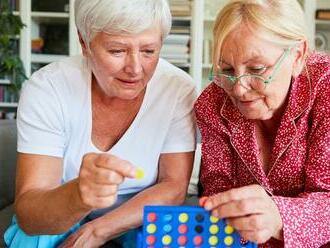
[
  {"x": 269, "y": 127},
  {"x": 103, "y": 99},
  {"x": 272, "y": 124}
]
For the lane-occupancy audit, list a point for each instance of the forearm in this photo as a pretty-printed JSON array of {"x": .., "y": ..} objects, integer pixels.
[
  {"x": 308, "y": 212},
  {"x": 50, "y": 211},
  {"x": 130, "y": 214}
]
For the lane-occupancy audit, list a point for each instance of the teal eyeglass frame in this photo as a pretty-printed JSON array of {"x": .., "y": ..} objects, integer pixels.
[{"x": 234, "y": 79}]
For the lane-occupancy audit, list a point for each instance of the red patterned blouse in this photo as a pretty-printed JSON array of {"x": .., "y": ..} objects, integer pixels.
[{"x": 299, "y": 175}]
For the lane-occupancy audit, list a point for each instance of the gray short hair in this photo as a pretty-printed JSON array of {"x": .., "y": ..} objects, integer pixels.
[
  {"x": 283, "y": 21},
  {"x": 121, "y": 16}
]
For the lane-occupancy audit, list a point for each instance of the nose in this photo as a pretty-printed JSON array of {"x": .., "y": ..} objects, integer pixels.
[
  {"x": 133, "y": 64},
  {"x": 239, "y": 88}
]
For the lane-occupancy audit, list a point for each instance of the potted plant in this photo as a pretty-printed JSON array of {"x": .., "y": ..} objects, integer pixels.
[{"x": 11, "y": 66}]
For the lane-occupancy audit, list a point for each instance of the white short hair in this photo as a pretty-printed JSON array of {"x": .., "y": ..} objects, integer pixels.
[{"x": 121, "y": 16}]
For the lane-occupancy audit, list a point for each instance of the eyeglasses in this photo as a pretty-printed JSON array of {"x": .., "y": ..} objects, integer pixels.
[{"x": 248, "y": 81}]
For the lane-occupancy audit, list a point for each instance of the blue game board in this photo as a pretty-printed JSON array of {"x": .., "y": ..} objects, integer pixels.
[{"x": 185, "y": 227}]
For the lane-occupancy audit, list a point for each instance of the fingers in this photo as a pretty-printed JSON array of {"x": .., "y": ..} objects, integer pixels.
[
  {"x": 253, "y": 228},
  {"x": 251, "y": 191},
  {"x": 241, "y": 208},
  {"x": 93, "y": 201},
  {"x": 106, "y": 176},
  {"x": 248, "y": 223},
  {"x": 250, "y": 210},
  {"x": 69, "y": 242},
  {"x": 80, "y": 242},
  {"x": 98, "y": 190},
  {"x": 257, "y": 236},
  {"x": 202, "y": 201},
  {"x": 76, "y": 240},
  {"x": 113, "y": 163},
  {"x": 99, "y": 178}
]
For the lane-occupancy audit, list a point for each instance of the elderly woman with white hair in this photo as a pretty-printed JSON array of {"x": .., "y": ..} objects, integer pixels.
[{"x": 88, "y": 126}]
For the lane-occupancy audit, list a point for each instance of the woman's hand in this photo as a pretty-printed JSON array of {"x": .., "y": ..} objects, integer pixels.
[
  {"x": 250, "y": 210},
  {"x": 99, "y": 177},
  {"x": 86, "y": 236}
]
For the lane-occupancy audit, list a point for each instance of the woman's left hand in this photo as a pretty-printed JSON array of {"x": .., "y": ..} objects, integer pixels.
[
  {"x": 250, "y": 210},
  {"x": 85, "y": 236}
]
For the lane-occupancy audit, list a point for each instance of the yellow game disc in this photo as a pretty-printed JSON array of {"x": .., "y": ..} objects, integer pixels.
[
  {"x": 183, "y": 218},
  {"x": 139, "y": 173},
  {"x": 213, "y": 240},
  {"x": 214, "y": 219},
  {"x": 166, "y": 240},
  {"x": 229, "y": 229},
  {"x": 151, "y": 228},
  {"x": 228, "y": 240}
]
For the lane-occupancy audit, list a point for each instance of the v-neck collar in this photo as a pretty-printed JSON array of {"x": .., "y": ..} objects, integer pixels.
[{"x": 143, "y": 107}]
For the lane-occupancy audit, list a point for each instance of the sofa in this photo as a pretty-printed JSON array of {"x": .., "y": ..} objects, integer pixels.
[{"x": 8, "y": 136}]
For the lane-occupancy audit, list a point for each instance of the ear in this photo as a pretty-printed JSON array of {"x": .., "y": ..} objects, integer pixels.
[
  {"x": 300, "y": 52},
  {"x": 83, "y": 45}
]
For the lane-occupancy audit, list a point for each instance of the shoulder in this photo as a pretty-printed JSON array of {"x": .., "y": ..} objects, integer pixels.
[
  {"x": 67, "y": 69},
  {"x": 66, "y": 75},
  {"x": 210, "y": 102},
  {"x": 67, "y": 65},
  {"x": 172, "y": 76},
  {"x": 318, "y": 68},
  {"x": 318, "y": 59},
  {"x": 64, "y": 83},
  {"x": 317, "y": 75},
  {"x": 318, "y": 72}
]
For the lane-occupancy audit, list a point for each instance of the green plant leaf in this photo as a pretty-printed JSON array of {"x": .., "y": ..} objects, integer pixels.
[{"x": 11, "y": 66}]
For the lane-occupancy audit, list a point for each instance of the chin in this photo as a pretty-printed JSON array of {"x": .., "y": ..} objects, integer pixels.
[
  {"x": 129, "y": 95},
  {"x": 257, "y": 115}
]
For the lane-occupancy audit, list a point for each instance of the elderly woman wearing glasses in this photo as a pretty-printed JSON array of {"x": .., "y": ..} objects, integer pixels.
[
  {"x": 265, "y": 125},
  {"x": 86, "y": 123}
]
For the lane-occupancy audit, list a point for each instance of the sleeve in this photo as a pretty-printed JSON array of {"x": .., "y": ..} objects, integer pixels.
[
  {"x": 216, "y": 173},
  {"x": 181, "y": 136},
  {"x": 40, "y": 121},
  {"x": 306, "y": 217}
]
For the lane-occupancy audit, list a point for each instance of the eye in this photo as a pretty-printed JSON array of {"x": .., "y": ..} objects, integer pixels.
[
  {"x": 117, "y": 52},
  {"x": 257, "y": 70},
  {"x": 149, "y": 52},
  {"x": 228, "y": 71}
]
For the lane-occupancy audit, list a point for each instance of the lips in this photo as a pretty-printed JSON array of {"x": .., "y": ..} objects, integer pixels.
[
  {"x": 128, "y": 81},
  {"x": 248, "y": 103}
]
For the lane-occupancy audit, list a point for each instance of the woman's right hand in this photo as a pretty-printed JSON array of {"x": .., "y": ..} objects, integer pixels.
[
  {"x": 99, "y": 177},
  {"x": 250, "y": 210}
]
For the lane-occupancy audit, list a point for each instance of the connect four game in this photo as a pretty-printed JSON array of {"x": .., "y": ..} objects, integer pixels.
[{"x": 187, "y": 227}]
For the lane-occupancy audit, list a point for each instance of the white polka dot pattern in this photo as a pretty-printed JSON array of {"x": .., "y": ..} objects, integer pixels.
[{"x": 299, "y": 177}]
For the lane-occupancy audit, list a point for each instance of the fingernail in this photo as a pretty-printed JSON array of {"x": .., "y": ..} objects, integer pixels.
[
  {"x": 202, "y": 201},
  {"x": 215, "y": 213},
  {"x": 132, "y": 172},
  {"x": 139, "y": 173},
  {"x": 208, "y": 206}
]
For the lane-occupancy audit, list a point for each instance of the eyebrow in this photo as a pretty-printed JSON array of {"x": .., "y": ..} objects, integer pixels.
[
  {"x": 245, "y": 62},
  {"x": 115, "y": 43},
  {"x": 118, "y": 43}
]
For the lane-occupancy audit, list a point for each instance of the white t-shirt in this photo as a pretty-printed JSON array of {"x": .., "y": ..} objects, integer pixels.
[{"x": 55, "y": 119}]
